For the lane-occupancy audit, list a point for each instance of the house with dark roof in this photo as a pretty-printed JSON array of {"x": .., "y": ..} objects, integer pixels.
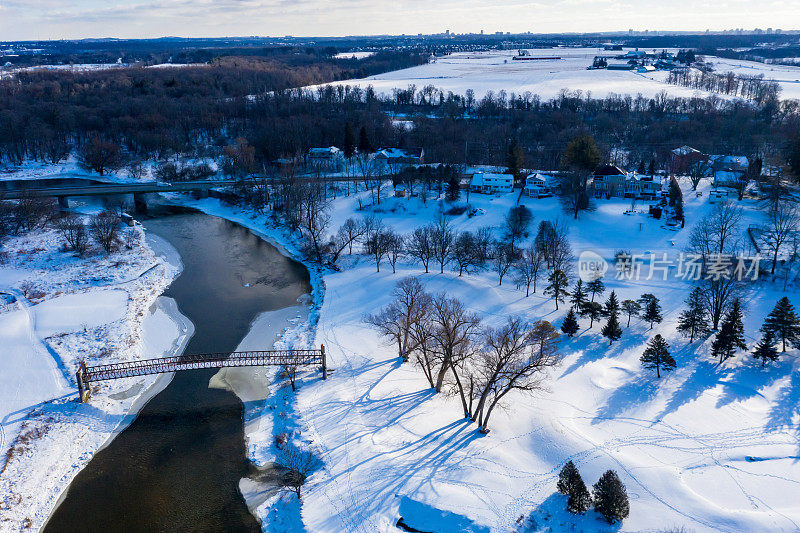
[{"x": 607, "y": 181}]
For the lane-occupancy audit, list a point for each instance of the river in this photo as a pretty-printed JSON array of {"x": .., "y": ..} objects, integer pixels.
[{"x": 177, "y": 467}]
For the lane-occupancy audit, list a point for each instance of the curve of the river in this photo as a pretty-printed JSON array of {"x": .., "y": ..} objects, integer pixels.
[{"x": 177, "y": 466}]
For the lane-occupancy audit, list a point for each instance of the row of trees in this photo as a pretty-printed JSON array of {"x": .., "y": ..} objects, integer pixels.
[
  {"x": 457, "y": 353},
  {"x": 754, "y": 88},
  {"x": 609, "y": 496}
]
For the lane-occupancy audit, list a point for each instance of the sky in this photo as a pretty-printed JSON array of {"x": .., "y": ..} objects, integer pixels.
[{"x": 71, "y": 19}]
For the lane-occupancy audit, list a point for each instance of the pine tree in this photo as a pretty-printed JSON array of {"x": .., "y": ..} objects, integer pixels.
[
  {"x": 651, "y": 170},
  {"x": 631, "y": 308},
  {"x": 567, "y": 477},
  {"x": 612, "y": 305},
  {"x": 694, "y": 320},
  {"x": 612, "y": 330},
  {"x": 570, "y": 325},
  {"x": 578, "y": 297},
  {"x": 652, "y": 309},
  {"x": 349, "y": 141},
  {"x": 783, "y": 323},
  {"x": 453, "y": 188},
  {"x": 557, "y": 286},
  {"x": 596, "y": 286},
  {"x": 765, "y": 349},
  {"x": 641, "y": 169},
  {"x": 657, "y": 356},
  {"x": 514, "y": 160},
  {"x": 593, "y": 310},
  {"x": 364, "y": 146},
  {"x": 730, "y": 336},
  {"x": 571, "y": 484},
  {"x": 611, "y": 498}
]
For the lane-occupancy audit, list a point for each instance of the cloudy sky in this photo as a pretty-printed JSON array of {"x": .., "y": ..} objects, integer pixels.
[{"x": 58, "y": 19}]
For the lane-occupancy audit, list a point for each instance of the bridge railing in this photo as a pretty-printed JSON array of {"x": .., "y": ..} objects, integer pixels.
[{"x": 87, "y": 374}]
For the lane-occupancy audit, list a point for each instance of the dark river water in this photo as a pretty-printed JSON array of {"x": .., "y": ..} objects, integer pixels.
[{"x": 177, "y": 466}]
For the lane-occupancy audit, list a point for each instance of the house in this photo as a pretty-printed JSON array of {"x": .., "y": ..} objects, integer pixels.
[
  {"x": 400, "y": 156},
  {"x": 488, "y": 183},
  {"x": 727, "y": 170},
  {"x": 536, "y": 186},
  {"x": 329, "y": 158},
  {"x": 608, "y": 181},
  {"x": 685, "y": 158},
  {"x": 643, "y": 187}
]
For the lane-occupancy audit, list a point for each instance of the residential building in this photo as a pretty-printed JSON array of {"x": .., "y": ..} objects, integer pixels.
[
  {"x": 328, "y": 159},
  {"x": 608, "y": 181},
  {"x": 488, "y": 183},
  {"x": 537, "y": 186}
]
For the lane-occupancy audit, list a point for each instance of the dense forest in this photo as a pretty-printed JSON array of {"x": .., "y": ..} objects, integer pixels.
[{"x": 155, "y": 113}]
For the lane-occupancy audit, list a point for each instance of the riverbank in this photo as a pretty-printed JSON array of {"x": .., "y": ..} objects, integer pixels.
[{"x": 102, "y": 309}]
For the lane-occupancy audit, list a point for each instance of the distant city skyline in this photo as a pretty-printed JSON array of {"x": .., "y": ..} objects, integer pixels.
[{"x": 56, "y": 19}]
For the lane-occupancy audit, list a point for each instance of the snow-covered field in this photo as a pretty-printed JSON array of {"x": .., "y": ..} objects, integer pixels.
[
  {"x": 495, "y": 71},
  {"x": 708, "y": 448},
  {"x": 99, "y": 308}
]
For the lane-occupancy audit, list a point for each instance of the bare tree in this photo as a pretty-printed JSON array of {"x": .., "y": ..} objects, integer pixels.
[
  {"x": 300, "y": 464},
  {"x": 528, "y": 268},
  {"x": 464, "y": 252},
  {"x": 408, "y": 308},
  {"x": 396, "y": 248},
  {"x": 453, "y": 334},
  {"x": 782, "y": 221},
  {"x": 503, "y": 259},
  {"x": 104, "y": 228},
  {"x": 73, "y": 231},
  {"x": 516, "y": 223},
  {"x": 515, "y": 358},
  {"x": 420, "y": 245},
  {"x": 442, "y": 237},
  {"x": 380, "y": 244},
  {"x": 718, "y": 232}
]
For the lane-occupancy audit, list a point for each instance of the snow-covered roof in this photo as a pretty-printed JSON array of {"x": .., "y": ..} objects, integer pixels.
[
  {"x": 538, "y": 180},
  {"x": 732, "y": 160},
  {"x": 323, "y": 152},
  {"x": 490, "y": 178},
  {"x": 685, "y": 150}
]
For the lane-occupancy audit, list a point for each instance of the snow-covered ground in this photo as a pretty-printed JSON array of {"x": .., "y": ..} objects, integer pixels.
[
  {"x": 495, "y": 71},
  {"x": 67, "y": 309},
  {"x": 707, "y": 447}
]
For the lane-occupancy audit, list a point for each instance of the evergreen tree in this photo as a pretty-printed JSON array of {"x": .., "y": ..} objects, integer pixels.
[
  {"x": 364, "y": 146},
  {"x": 571, "y": 484},
  {"x": 611, "y": 498},
  {"x": 453, "y": 188},
  {"x": 578, "y": 297},
  {"x": 596, "y": 286},
  {"x": 641, "y": 170},
  {"x": 765, "y": 349},
  {"x": 652, "y": 309},
  {"x": 612, "y": 330},
  {"x": 514, "y": 160},
  {"x": 349, "y": 141},
  {"x": 730, "y": 336},
  {"x": 651, "y": 170},
  {"x": 631, "y": 308},
  {"x": 783, "y": 323},
  {"x": 612, "y": 305},
  {"x": 593, "y": 310},
  {"x": 656, "y": 356},
  {"x": 694, "y": 320},
  {"x": 567, "y": 477},
  {"x": 557, "y": 286},
  {"x": 570, "y": 325}
]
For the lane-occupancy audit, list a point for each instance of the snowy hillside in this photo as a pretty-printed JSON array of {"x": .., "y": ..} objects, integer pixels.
[{"x": 707, "y": 447}]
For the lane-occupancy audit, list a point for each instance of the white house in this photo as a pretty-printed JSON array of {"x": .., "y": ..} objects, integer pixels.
[
  {"x": 489, "y": 183},
  {"x": 536, "y": 186},
  {"x": 329, "y": 158}
]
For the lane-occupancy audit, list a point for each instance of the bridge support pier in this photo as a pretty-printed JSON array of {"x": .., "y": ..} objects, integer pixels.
[
  {"x": 324, "y": 362},
  {"x": 139, "y": 202},
  {"x": 83, "y": 383},
  {"x": 200, "y": 194},
  {"x": 63, "y": 203}
]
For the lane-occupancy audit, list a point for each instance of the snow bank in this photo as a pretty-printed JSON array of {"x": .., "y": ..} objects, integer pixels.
[{"x": 100, "y": 309}]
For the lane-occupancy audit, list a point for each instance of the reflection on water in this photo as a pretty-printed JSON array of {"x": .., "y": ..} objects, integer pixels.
[{"x": 178, "y": 466}]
